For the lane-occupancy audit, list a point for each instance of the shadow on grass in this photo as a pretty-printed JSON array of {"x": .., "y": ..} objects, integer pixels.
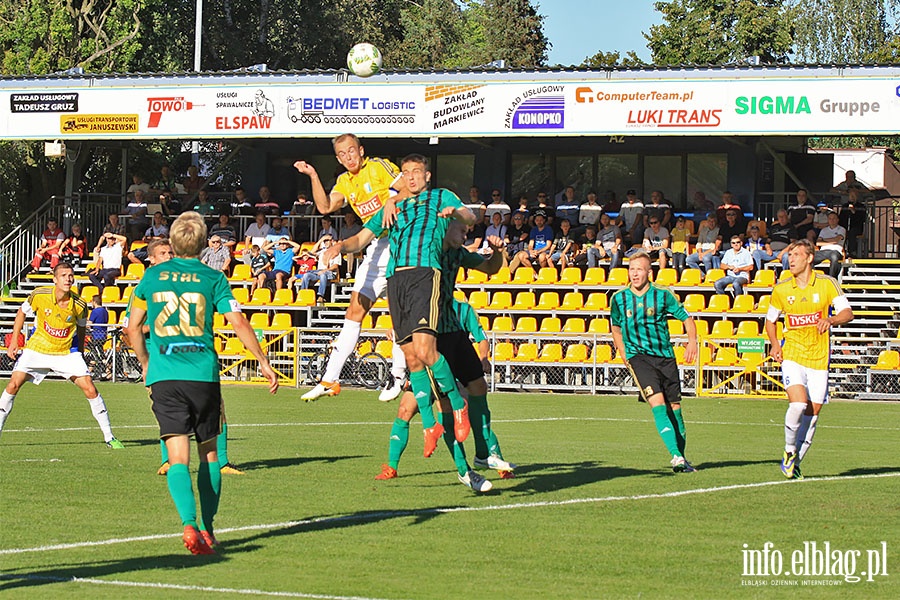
[
  {"x": 870, "y": 471},
  {"x": 724, "y": 464},
  {"x": 538, "y": 478},
  {"x": 13, "y": 579},
  {"x": 277, "y": 463}
]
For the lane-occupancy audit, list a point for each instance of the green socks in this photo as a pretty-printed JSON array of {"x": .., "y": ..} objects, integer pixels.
[
  {"x": 421, "y": 387},
  {"x": 456, "y": 449},
  {"x": 163, "y": 452},
  {"x": 399, "y": 439},
  {"x": 447, "y": 382},
  {"x": 480, "y": 419},
  {"x": 209, "y": 484},
  {"x": 179, "y": 480},
  {"x": 678, "y": 421},
  {"x": 666, "y": 429},
  {"x": 222, "y": 445}
]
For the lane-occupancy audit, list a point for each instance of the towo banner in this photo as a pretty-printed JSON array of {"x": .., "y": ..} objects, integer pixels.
[{"x": 758, "y": 106}]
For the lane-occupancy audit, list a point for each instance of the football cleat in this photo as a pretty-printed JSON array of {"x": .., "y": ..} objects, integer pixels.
[
  {"x": 797, "y": 473},
  {"x": 461, "y": 426},
  {"x": 507, "y": 474},
  {"x": 115, "y": 444},
  {"x": 432, "y": 435},
  {"x": 391, "y": 390},
  {"x": 163, "y": 468},
  {"x": 788, "y": 464},
  {"x": 195, "y": 542},
  {"x": 387, "y": 472},
  {"x": 688, "y": 467},
  {"x": 322, "y": 389},
  {"x": 230, "y": 469},
  {"x": 475, "y": 481},
  {"x": 494, "y": 462},
  {"x": 679, "y": 465},
  {"x": 209, "y": 538}
]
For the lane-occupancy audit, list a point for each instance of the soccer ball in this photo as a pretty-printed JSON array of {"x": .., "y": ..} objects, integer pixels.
[{"x": 364, "y": 60}]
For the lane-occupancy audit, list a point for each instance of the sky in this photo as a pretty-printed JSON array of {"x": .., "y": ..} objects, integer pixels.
[{"x": 580, "y": 28}]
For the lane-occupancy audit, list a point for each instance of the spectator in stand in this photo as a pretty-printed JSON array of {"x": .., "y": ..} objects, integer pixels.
[
  {"x": 138, "y": 183},
  {"x": 51, "y": 240},
  {"x": 137, "y": 215},
  {"x": 169, "y": 190},
  {"x": 327, "y": 228},
  {"x": 98, "y": 323},
  {"x": 497, "y": 205},
  {"x": 216, "y": 256},
  {"x": 474, "y": 196},
  {"x": 738, "y": 264},
  {"x": 474, "y": 237},
  {"x": 629, "y": 219},
  {"x": 589, "y": 213},
  {"x": 660, "y": 208},
  {"x": 225, "y": 230},
  {"x": 548, "y": 210},
  {"x": 830, "y": 246},
  {"x": 820, "y": 220},
  {"x": 282, "y": 254},
  {"x": 679, "y": 244},
  {"x": 107, "y": 260},
  {"x": 731, "y": 227},
  {"x": 781, "y": 235},
  {"x": 205, "y": 206},
  {"x": 302, "y": 205},
  {"x": 325, "y": 271},
  {"x": 193, "y": 183},
  {"x": 259, "y": 264},
  {"x": 540, "y": 240},
  {"x": 852, "y": 217},
  {"x": 563, "y": 249},
  {"x": 476, "y": 204},
  {"x": 279, "y": 230},
  {"x": 257, "y": 231},
  {"x": 729, "y": 204},
  {"x": 241, "y": 204},
  {"x": 516, "y": 235},
  {"x": 266, "y": 203},
  {"x": 589, "y": 247},
  {"x": 849, "y": 183},
  {"x": 759, "y": 224},
  {"x": 114, "y": 225},
  {"x": 656, "y": 241},
  {"x": 566, "y": 197},
  {"x": 706, "y": 252},
  {"x": 610, "y": 243},
  {"x": 522, "y": 209},
  {"x": 755, "y": 242},
  {"x": 610, "y": 202},
  {"x": 701, "y": 205},
  {"x": 802, "y": 213},
  {"x": 496, "y": 228},
  {"x": 73, "y": 247},
  {"x": 158, "y": 230}
]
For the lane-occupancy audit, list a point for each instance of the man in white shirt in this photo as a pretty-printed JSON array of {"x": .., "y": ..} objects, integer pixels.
[
  {"x": 108, "y": 258},
  {"x": 629, "y": 218},
  {"x": 496, "y": 228},
  {"x": 738, "y": 263},
  {"x": 830, "y": 246}
]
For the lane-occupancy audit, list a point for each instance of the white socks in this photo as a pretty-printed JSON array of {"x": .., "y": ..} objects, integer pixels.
[
  {"x": 792, "y": 419},
  {"x": 807, "y": 431},
  {"x": 398, "y": 368},
  {"x": 343, "y": 347},
  {"x": 6, "y": 404},
  {"x": 98, "y": 407}
]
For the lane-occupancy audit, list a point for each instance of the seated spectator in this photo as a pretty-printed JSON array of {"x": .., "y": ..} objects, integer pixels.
[
  {"x": 759, "y": 224},
  {"x": 48, "y": 249},
  {"x": 497, "y": 205},
  {"x": 259, "y": 264},
  {"x": 516, "y": 235},
  {"x": 706, "y": 252},
  {"x": 241, "y": 204},
  {"x": 302, "y": 205},
  {"x": 611, "y": 244},
  {"x": 660, "y": 208},
  {"x": 216, "y": 256},
  {"x": 852, "y": 217},
  {"x": 327, "y": 228},
  {"x": 108, "y": 260},
  {"x": 166, "y": 184},
  {"x": 278, "y": 230},
  {"x": 802, "y": 213},
  {"x": 830, "y": 246},
  {"x": 728, "y": 204},
  {"x": 781, "y": 235},
  {"x": 702, "y": 206},
  {"x": 158, "y": 230},
  {"x": 540, "y": 239},
  {"x": 474, "y": 237},
  {"x": 476, "y": 204},
  {"x": 522, "y": 209},
  {"x": 656, "y": 242},
  {"x": 679, "y": 244},
  {"x": 225, "y": 230},
  {"x": 266, "y": 203},
  {"x": 566, "y": 197},
  {"x": 755, "y": 242},
  {"x": 588, "y": 254},
  {"x": 820, "y": 219},
  {"x": 137, "y": 215},
  {"x": 730, "y": 228},
  {"x": 138, "y": 183},
  {"x": 114, "y": 225},
  {"x": 257, "y": 231},
  {"x": 73, "y": 247},
  {"x": 589, "y": 212},
  {"x": 496, "y": 228},
  {"x": 205, "y": 206},
  {"x": 629, "y": 219},
  {"x": 610, "y": 202},
  {"x": 544, "y": 205},
  {"x": 98, "y": 323},
  {"x": 563, "y": 249},
  {"x": 193, "y": 183},
  {"x": 738, "y": 264},
  {"x": 326, "y": 270},
  {"x": 567, "y": 205},
  {"x": 849, "y": 183},
  {"x": 282, "y": 255}
]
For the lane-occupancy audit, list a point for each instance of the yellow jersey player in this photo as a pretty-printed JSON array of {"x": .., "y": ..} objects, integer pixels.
[
  {"x": 366, "y": 187},
  {"x": 812, "y": 303},
  {"x": 59, "y": 315}
]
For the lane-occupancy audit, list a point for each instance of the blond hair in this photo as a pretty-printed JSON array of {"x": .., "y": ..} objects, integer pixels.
[
  {"x": 188, "y": 235},
  {"x": 344, "y": 137}
]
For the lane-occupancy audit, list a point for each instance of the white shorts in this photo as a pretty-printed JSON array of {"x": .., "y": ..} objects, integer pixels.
[
  {"x": 814, "y": 380},
  {"x": 370, "y": 275},
  {"x": 38, "y": 365}
]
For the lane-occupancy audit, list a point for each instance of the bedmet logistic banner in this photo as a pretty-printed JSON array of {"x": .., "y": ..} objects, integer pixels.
[{"x": 806, "y": 106}]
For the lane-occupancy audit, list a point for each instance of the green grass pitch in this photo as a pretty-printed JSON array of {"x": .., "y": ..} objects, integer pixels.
[{"x": 595, "y": 511}]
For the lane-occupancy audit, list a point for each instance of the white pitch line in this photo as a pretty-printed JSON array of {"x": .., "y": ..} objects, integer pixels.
[
  {"x": 189, "y": 588},
  {"x": 457, "y": 509}
]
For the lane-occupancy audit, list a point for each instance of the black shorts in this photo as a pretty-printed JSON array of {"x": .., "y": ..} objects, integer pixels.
[
  {"x": 413, "y": 302},
  {"x": 187, "y": 407},
  {"x": 461, "y": 356},
  {"x": 654, "y": 375}
]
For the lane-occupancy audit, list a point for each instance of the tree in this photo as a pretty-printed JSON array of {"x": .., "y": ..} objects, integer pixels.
[
  {"x": 432, "y": 31},
  {"x": 613, "y": 59},
  {"x": 842, "y": 31},
  {"x": 514, "y": 32},
  {"x": 720, "y": 32}
]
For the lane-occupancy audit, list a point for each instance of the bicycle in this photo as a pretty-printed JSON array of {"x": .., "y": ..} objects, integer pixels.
[{"x": 370, "y": 370}]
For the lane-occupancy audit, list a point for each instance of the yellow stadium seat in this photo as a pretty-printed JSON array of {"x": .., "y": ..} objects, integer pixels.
[
  {"x": 763, "y": 305},
  {"x": 705, "y": 355},
  {"x": 527, "y": 352},
  {"x": 380, "y": 303},
  {"x": 574, "y": 325},
  {"x": 110, "y": 294},
  {"x": 283, "y": 297},
  {"x": 548, "y": 301},
  {"x": 594, "y": 276},
  {"x": 305, "y": 298},
  {"x": 366, "y": 322},
  {"x": 384, "y": 322},
  {"x": 726, "y": 357},
  {"x": 743, "y": 304},
  {"x": 503, "y": 351},
  {"x": 748, "y": 329},
  {"x": 763, "y": 278},
  {"x": 888, "y": 360},
  {"x": 459, "y": 295},
  {"x": 218, "y": 321},
  {"x": 572, "y": 301},
  {"x": 702, "y": 327},
  {"x": 691, "y": 277},
  {"x": 712, "y": 276},
  {"x": 478, "y": 299},
  {"x": 719, "y": 303},
  {"x": 475, "y": 276},
  {"x": 576, "y": 353},
  {"x": 551, "y": 325},
  {"x": 308, "y": 246},
  {"x": 679, "y": 354},
  {"x": 241, "y": 272},
  {"x": 485, "y": 324},
  {"x": 500, "y": 300},
  {"x": 259, "y": 320},
  {"x": 364, "y": 347},
  {"x": 524, "y": 301},
  {"x": 241, "y": 294},
  {"x": 722, "y": 330},
  {"x": 88, "y": 292},
  {"x": 570, "y": 276},
  {"x": 281, "y": 321},
  {"x": 385, "y": 348},
  {"x": 233, "y": 347},
  {"x": 501, "y": 276},
  {"x": 261, "y": 297},
  {"x": 526, "y": 325},
  {"x": 618, "y": 276},
  {"x": 460, "y": 276},
  {"x": 676, "y": 327},
  {"x": 599, "y": 326},
  {"x": 785, "y": 275},
  {"x": 666, "y": 277},
  {"x": 694, "y": 303},
  {"x": 523, "y": 276},
  {"x": 550, "y": 353},
  {"x": 596, "y": 301},
  {"x": 601, "y": 354},
  {"x": 502, "y": 324},
  {"x": 134, "y": 272},
  {"x": 126, "y": 293},
  {"x": 547, "y": 276},
  {"x": 617, "y": 359}
]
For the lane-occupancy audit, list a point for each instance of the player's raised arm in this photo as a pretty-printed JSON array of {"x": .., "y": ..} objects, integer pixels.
[
  {"x": 325, "y": 203},
  {"x": 246, "y": 334}
]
